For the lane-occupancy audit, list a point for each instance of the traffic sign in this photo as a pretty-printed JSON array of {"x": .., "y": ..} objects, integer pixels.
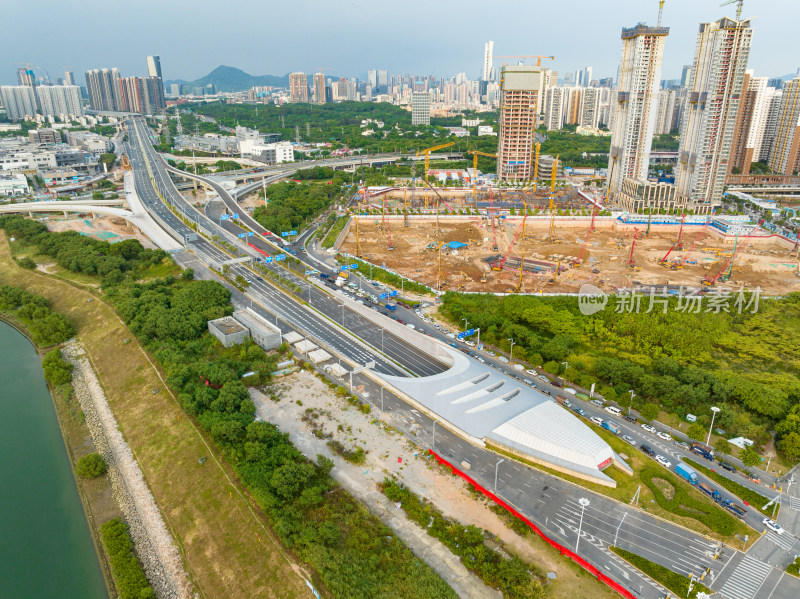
[
  {"x": 353, "y": 266},
  {"x": 292, "y": 232},
  {"x": 393, "y": 294},
  {"x": 469, "y": 332},
  {"x": 284, "y": 234},
  {"x": 224, "y": 217},
  {"x": 460, "y": 336},
  {"x": 243, "y": 235},
  {"x": 235, "y": 215},
  {"x": 280, "y": 257},
  {"x": 382, "y": 296},
  {"x": 268, "y": 259},
  {"x": 344, "y": 267}
]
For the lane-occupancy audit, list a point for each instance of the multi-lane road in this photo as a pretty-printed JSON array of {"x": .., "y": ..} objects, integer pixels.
[{"x": 549, "y": 501}]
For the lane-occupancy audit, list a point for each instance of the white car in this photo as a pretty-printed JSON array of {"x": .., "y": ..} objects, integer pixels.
[
  {"x": 450, "y": 336},
  {"x": 596, "y": 420},
  {"x": 531, "y": 372},
  {"x": 648, "y": 428},
  {"x": 663, "y": 461},
  {"x": 411, "y": 326},
  {"x": 663, "y": 435},
  {"x": 470, "y": 343},
  {"x": 772, "y": 525},
  {"x": 519, "y": 367},
  {"x": 629, "y": 440},
  {"x": 570, "y": 390}
]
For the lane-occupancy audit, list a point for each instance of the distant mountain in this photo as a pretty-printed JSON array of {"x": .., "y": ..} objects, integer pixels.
[
  {"x": 788, "y": 77},
  {"x": 231, "y": 79}
]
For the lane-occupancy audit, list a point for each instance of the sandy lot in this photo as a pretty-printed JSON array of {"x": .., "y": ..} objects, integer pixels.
[
  {"x": 600, "y": 258},
  {"x": 106, "y": 228}
]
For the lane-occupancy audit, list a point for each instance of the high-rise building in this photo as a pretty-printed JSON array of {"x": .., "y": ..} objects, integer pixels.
[
  {"x": 19, "y": 100},
  {"x": 741, "y": 156},
  {"x": 144, "y": 95},
  {"x": 420, "y": 108},
  {"x": 298, "y": 87},
  {"x": 383, "y": 81},
  {"x": 488, "y": 50},
  {"x": 372, "y": 79},
  {"x": 685, "y": 74},
  {"x": 709, "y": 118},
  {"x": 785, "y": 152},
  {"x": 770, "y": 123},
  {"x": 573, "y": 105},
  {"x": 520, "y": 103},
  {"x": 69, "y": 78},
  {"x": 590, "y": 108},
  {"x": 665, "y": 111},
  {"x": 587, "y": 76},
  {"x": 154, "y": 66},
  {"x": 26, "y": 77},
  {"x": 554, "y": 108},
  {"x": 758, "y": 86},
  {"x": 103, "y": 86},
  {"x": 59, "y": 100},
  {"x": 319, "y": 88},
  {"x": 633, "y": 121}
]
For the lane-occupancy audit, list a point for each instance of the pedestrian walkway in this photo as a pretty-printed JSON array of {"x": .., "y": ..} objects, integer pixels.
[
  {"x": 746, "y": 580},
  {"x": 785, "y": 541},
  {"x": 794, "y": 503}
]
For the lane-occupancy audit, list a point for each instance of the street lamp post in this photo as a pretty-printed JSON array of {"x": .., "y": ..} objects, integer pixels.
[
  {"x": 466, "y": 324},
  {"x": 496, "y": 467},
  {"x": 630, "y": 405},
  {"x": 511, "y": 353},
  {"x": 616, "y": 534},
  {"x": 714, "y": 410},
  {"x": 584, "y": 502}
]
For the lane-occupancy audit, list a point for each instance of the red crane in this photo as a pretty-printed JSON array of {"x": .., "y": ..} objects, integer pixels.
[
  {"x": 500, "y": 263},
  {"x": 588, "y": 233},
  {"x": 678, "y": 245},
  {"x": 631, "y": 261},
  {"x": 491, "y": 215}
]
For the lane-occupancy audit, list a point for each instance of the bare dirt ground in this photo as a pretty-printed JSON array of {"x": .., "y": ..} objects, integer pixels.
[
  {"x": 604, "y": 255},
  {"x": 107, "y": 228},
  {"x": 308, "y": 405}
]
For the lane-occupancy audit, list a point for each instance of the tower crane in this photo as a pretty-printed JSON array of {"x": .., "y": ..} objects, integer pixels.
[
  {"x": 427, "y": 154},
  {"x": 631, "y": 261},
  {"x": 475, "y": 154},
  {"x": 552, "y": 197},
  {"x": 738, "y": 3},
  {"x": 538, "y": 57},
  {"x": 535, "y": 157}
]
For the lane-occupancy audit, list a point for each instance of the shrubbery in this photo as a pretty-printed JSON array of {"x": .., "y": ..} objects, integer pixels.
[
  {"x": 57, "y": 371},
  {"x": 671, "y": 580},
  {"x": 127, "y": 572},
  {"x": 91, "y": 466},
  {"x": 511, "y": 575},
  {"x": 46, "y": 327},
  {"x": 683, "y": 504}
]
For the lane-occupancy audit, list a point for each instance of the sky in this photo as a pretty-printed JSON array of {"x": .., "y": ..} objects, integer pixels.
[{"x": 348, "y": 37}]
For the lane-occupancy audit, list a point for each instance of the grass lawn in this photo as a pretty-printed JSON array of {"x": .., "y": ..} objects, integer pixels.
[
  {"x": 227, "y": 548},
  {"x": 627, "y": 485},
  {"x": 334, "y": 231}
]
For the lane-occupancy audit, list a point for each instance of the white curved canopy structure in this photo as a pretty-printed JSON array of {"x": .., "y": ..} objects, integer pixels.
[{"x": 492, "y": 407}]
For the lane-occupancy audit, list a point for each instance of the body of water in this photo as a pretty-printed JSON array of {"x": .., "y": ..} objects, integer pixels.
[{"x": 46, "y": 548}]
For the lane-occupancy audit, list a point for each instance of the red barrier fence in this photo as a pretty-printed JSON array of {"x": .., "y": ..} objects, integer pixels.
[{"x": 561, "y": 549}]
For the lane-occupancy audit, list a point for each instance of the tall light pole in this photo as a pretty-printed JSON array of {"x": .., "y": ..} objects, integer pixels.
[
  {"x": 630, "y": 405},
  {"x": 616, "y": 534},
  {"x": 714, "y": 410},
  {"x": 584, "y": 502},
  {"x": 496, "y": 467},
  {"x": 466, "y": 323},
  {"x": 511, "y": 353}
]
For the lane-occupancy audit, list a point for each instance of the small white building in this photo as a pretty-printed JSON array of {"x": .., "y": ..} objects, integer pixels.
[
  {"x": 486, "y": 130},
  {"x": 13, "y": 184}
]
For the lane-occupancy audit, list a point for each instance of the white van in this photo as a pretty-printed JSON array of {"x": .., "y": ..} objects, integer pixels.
[{"x": 613, "y": 410}]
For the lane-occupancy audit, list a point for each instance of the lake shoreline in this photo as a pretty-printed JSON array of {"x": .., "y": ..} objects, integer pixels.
[{"x": 73, "y": 434}]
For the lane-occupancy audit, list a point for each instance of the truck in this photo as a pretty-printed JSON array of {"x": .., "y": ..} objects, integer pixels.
[
  {"x": 687, "y": 473},
  {"x": 340, "y": 281},
  {"x": 611, "y": 426},
  {"x": 735, "y": 509},
  {"x": 711, "y": 492},
  {"x": 391, "y": 306},
  {"x": 703, "y": 450}
]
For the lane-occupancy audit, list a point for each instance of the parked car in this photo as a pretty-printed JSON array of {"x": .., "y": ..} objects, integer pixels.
[
  {"x": 647, "y": 449},
  {"x": 519, "y": 367},
  {"x": 772, "y": 525},
  {"x": 682, "y": 445},
  {"x": 664, "y": 436},
  {"x": 503, "y": 359},
  {"x": 579, "y": 410},
  {"x": 663, "y": 461},
  {"x": 596, "y": 420},
  {"x": 542, "y": 377},
  {"x": 599, "y": 403},
  {"x": 401, "y": 321},
  {"x": 727, "y": 465},
  {"x": 531, "y": 372},
  {"x": 629, "y": 440},
  {"x": 570, "y": 390},
  {"x": 630, "y": 418},
  {"x": 648, "y": 428},
  {"x": 491, "y": 353}
]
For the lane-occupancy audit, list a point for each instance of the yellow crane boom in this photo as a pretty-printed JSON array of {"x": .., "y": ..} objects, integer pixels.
[
  {"x": 428, "y": 155},
  {"x": 475, "y": 154}
]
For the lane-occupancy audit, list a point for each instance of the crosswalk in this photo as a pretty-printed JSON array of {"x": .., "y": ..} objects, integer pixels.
[
  {"x": 794, "y": 503},
  {"x": 784, "y": 541},
  {"x": 745, "y": 581}
]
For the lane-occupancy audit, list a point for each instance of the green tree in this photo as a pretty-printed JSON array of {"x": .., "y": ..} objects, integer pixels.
[
  {"x": 790, "y": 445},
  {"x": 696, "y": 431},
  {"x": 749, "y": 457},
  {"x": 98, "y": 195},
  {"x": 56, "y": 370},
  {"x": 722, "y": 447},
  {"x": 91, "y": 466},
  {"x": 649, "y": 411}
]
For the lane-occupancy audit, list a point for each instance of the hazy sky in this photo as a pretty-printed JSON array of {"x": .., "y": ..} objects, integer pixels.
[{"x": 439, "y": 37}]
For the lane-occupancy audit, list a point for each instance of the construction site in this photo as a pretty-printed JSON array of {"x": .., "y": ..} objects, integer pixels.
[{"x": 558, "y": 254}]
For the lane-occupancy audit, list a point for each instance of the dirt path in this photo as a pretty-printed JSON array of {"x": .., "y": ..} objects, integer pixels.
[
  {"x": 308, "y": 406},
  {"x": 154, "y": 545}
]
